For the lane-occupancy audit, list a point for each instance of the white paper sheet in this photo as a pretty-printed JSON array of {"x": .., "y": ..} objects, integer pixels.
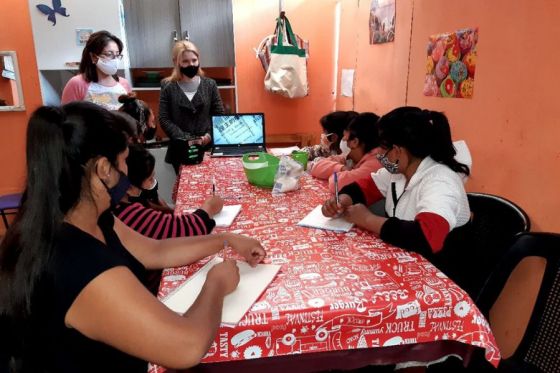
[
  {"x": 226, "y": 217},
  {"x": 251, "y": 285},
  {"x": 284, "y": 151},
  {"x": 316, "y": 219},
  {"x": 347, "y": 83}
]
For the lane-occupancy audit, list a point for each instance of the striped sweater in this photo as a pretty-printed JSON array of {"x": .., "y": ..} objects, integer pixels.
[{"x": 160, "y": 225}]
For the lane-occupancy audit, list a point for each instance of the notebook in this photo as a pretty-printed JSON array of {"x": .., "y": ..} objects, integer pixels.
[
  {"x": 237, "y": 134},
  {"x": 316, "y": 219},
  {"x": 225, "y": 217},
  {"x": 253, "y": 281}
]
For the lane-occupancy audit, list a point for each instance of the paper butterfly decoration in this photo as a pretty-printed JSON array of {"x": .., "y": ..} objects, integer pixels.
[{"x": 51, "y": 12}]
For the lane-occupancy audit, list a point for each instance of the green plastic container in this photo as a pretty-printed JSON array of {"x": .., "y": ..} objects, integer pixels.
[
  {"x": 260, "y": 168},
  {"x": 301, "y": 157}
]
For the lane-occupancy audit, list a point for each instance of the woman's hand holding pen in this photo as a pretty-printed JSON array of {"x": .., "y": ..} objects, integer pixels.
[
  {"x": 331, "y": 208},
  {"x": 213, "y": 205},
  {"x": 247, "y": 247},
  {"x": 226, "y": 274}
]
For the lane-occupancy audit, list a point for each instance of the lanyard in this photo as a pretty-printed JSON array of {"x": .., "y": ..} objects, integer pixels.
[{"x": 395, "y": 198}]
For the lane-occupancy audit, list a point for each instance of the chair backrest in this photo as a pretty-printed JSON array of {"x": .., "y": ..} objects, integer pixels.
[
  {"x": 471, "y": 253},
  {"x": 522, "y": 301}
]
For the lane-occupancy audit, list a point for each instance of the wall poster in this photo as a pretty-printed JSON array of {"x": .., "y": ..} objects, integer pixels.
[
  {"x": 381, "y": 21},
  {"x": 451, "y": 63}
]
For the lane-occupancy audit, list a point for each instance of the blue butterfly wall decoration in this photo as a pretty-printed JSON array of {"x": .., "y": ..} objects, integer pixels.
[{"x": 51, "y": 12}]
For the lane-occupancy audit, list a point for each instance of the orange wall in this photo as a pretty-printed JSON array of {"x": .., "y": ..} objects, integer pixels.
[
  {"x": 511, "y": 124},
  {"x": 16, "y": 35},
  {"x": 312, "y": 20}
]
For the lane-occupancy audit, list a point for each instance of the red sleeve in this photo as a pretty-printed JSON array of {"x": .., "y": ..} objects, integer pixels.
[
  {"x": 370, "y": 190},
  {"x": 435, "y": 229}
]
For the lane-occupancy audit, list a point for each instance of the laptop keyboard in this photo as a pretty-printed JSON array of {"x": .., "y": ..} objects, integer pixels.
[{"x": 237, "y": 151}]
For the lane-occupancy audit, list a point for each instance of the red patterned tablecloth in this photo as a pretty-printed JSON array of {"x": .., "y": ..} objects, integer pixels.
[{"x": 335, "y": 291}]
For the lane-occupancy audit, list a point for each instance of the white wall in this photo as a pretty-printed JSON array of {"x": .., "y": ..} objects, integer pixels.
[{"x": 56, "y": 45}]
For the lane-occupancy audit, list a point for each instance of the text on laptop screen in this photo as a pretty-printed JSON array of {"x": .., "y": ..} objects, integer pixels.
[{"x": 238, "y": 129}]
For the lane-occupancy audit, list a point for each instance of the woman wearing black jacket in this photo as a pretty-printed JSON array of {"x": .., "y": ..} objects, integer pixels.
[{"x": 187, "y": 101}]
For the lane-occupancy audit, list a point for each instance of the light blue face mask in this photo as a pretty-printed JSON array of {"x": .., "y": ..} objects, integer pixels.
[{"x": 392, "y": 167}]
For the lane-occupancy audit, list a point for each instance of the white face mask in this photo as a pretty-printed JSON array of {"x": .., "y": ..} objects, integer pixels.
[
  {"x": 108, "y": 67},
  {"x": 344, "y": 147},
  {"x": 325, "y": 143}
]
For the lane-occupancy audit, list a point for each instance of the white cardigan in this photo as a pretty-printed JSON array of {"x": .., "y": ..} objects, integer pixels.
[{"x": 433, "y": 188}]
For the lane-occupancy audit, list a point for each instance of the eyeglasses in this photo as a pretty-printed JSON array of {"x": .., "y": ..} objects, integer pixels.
[
  {"x": 384, "y": 155},
  {"x": 111, "y": 55}
]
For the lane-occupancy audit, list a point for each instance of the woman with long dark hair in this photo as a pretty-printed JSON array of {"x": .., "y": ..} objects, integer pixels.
[
  {"x": 98, "y": 81},
  {"x": 71, "y": 275},
  {"x": 420, "y": 179}
]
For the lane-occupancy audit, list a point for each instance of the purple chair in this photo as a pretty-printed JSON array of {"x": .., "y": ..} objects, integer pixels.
[{"x": 9, "y": 204}]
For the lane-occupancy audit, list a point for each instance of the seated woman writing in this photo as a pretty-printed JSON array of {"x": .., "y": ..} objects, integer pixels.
[
  {"x": 421, "y": 180},
  {"x": 358, "y": 159},
  {"x": 142, "y": 210},
  {"x": 72, "y": 276}
]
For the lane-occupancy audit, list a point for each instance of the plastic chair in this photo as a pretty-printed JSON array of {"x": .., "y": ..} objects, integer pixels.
[
  {"x": 9, "y": 204},
  {"x": 472, "y": 252},
  {"x": 522, "y": 301}
]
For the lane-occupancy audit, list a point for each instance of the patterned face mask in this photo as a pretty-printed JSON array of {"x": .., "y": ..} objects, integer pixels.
[{"x": 392, "y": 167}]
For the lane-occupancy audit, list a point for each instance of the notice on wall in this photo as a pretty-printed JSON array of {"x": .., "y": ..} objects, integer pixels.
[
  {"x": 381, "y": 21},
  {"x": 347, "y": 83},
  {"x": 451, "y": 64}
]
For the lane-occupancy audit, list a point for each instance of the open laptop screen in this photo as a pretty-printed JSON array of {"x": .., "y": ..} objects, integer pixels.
[{"x": 238, "y": 129}]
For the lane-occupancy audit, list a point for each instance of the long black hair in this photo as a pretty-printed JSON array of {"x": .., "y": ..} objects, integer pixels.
[
  {"x": 95, "y": 45},
  {"x": 61, "y": 144},
  {"x": 336, "y": 122},
  {"x": 364, "y": 128},
  {"x": 423, "y": 133},
  {"x": 141, "y": 164}
]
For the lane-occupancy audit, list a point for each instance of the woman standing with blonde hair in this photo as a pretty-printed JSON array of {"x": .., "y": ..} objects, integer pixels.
[{"x": 188, "y": 100}]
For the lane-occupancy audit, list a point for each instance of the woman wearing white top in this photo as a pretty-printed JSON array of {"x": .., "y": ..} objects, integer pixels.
[
  {"x": 98, "y": 81},
  {"x": 421, "y": 180}
]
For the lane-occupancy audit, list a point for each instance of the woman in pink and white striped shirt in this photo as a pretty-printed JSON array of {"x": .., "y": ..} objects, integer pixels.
[{"x": 142, "y": 210}]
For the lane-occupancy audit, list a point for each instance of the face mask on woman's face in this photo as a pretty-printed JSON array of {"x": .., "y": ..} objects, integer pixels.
[
  {"x": 108, "y": 67},
  {"x": 118, "y": 191},
  {"x": 189, "y": 71},
  {"x": 325, "y": 143},
  {"x": 344, "y": 148},
  {"x": 392, "y": 167}
]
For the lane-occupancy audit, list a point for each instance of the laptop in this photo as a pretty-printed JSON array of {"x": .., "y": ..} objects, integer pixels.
[{"x": 237, "y": 134}]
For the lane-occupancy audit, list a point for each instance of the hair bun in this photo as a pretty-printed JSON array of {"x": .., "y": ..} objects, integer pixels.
[{"x": 128, "y": 98}]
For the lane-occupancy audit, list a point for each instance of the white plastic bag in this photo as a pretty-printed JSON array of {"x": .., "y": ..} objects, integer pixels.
[{"x": 287, "y": 176}]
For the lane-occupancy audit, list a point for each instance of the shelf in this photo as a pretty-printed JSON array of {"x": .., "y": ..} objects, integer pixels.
[{"x": 159, "y": 88}]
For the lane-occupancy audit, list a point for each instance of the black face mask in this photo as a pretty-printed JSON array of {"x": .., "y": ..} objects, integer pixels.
[
  {"x": 189, "y": 71},
  {"x": 119, "y": 190}
]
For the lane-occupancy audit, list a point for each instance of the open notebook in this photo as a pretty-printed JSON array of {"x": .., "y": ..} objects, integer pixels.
[
  {"x": 316, "y": 219},
  {"x": 251, "y": 285},
  {"x": 226, "y": 217}
]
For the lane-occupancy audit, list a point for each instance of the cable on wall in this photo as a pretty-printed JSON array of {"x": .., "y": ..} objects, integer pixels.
[{"x": 409, "y": 55}]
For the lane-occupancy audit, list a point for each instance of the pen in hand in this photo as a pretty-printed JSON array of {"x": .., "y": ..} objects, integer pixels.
[
  {"x": 224, "y": 250},
  {"x": 336, "y": 188}
]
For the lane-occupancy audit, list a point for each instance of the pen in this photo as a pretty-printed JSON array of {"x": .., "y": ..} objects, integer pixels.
[
  {"x": 336, "y": 187},
  {"x": 213, "y": 186},
  {"x": 224, "y": 251}
]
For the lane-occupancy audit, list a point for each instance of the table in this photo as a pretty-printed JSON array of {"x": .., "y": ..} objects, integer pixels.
[{"x": 346, "y": 296}]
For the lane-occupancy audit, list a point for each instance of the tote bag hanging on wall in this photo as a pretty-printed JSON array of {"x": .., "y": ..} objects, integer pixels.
[{"x": 287, "y": 71}]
